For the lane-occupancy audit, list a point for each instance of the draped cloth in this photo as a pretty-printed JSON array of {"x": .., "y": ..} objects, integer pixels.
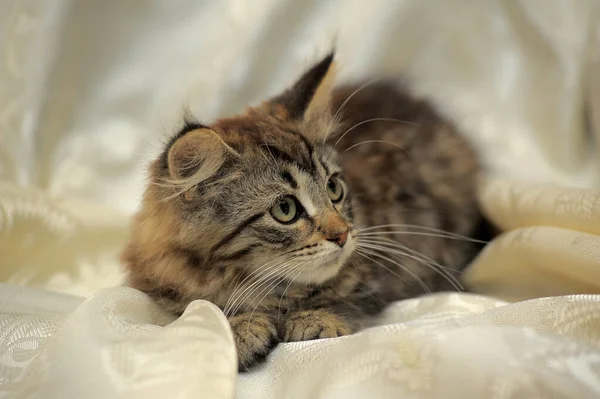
[{"x": 90, "y": 90}]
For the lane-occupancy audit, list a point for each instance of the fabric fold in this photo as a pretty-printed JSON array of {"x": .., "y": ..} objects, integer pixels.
[{"x": 550, "y": 245}]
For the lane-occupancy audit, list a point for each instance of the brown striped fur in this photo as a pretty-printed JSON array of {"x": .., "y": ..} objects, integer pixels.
[{"x": 205, "y": 229}]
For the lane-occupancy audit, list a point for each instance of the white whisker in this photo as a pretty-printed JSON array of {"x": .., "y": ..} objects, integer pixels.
[
  {"x": 270, "y": 153},
  {"x": 425, "y": 234},
  {"x": 415, "y": 226},
  {"x": 379, "y": 141},
  {"x": 444, "y": 273},
  {"x": 299, "y": 271},
  {"x": 366, "y": 254},
  {"x": 372, "y": 120},
  {"x": 412, "y": 274},
  {"x": 392, "y": 243},
  {"x": 260, "y": 274},
  {"x": 274, "y": 274},
  {"x": 257, "y": 272},
  {"x": 334, "y": 119},
  {"x": 270, "y": 287}
]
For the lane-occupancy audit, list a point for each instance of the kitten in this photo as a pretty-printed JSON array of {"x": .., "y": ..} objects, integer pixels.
[{"x": 306, "y": 215}]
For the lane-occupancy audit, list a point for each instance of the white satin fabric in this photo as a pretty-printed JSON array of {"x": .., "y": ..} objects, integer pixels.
[
  {"x": 442, "y": 346},
  {"x": 89, "y": 90}
]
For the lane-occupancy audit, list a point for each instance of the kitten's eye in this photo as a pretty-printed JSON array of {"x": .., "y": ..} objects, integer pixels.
[
  {"x": 335, "y": 191},
  {"x": 285, "y": 209}
]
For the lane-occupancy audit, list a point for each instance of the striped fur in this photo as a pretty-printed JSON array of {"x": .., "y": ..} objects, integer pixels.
[{"x": 205, "y": 230}]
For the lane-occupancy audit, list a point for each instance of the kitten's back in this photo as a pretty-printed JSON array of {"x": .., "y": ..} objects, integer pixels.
[{"x": 407, "y": 164}]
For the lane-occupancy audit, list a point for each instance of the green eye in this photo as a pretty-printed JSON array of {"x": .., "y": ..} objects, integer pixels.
[
  {"x": 335, "y": 191},
  {"x": 285, "y": 209}
]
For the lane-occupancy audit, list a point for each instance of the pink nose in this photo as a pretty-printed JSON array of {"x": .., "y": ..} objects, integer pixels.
[{"x": 339, "y": 238}]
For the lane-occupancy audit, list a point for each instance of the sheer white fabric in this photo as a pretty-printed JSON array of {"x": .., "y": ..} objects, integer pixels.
[{"x": 88, "y": 90}]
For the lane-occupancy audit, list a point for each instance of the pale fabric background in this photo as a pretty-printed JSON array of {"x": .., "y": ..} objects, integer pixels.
[{"x": 90, "y": 89}]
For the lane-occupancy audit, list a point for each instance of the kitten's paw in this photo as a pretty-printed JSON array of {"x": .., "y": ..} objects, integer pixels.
[
  {"x": 304, "y": 325},
  {"x": 255, "y": 336}
]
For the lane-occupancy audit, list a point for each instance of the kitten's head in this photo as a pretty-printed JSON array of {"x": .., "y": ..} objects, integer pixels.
[{"x": 258, "y": 191}]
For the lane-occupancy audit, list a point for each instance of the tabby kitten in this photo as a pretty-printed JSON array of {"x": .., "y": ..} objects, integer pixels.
[{"x": 306, "y": 215}]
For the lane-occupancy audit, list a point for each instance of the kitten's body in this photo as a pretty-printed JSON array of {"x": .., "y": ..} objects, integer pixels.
[{"x": 215, "y": 239}]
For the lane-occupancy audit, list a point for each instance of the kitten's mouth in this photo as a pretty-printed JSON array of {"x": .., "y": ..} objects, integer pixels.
[
  {"x": 328, "y": 267},
  {"x": 346, "y": 251}
]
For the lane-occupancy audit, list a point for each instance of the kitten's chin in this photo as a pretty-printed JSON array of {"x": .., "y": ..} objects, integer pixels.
[{"x": 328, "y": 267}]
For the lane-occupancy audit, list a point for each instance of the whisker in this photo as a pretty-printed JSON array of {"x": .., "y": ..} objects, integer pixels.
[
  {"x": 236, "y": 286},
  {"x": 372, "y": 120},
  {"x": 366, "y": 254},
  {"x": 425, "y": 228},
  {"x": 255, "y": 273},
  {"x": 243, "y": 299},
  {"x": 392, "y": 243},
  {"x": 299, "y": 271},
  {"x": 259, "y": 274},
  {"x": 274, "y": 274},
  {"x": 444, "y": 273},
  {"x": 363, "y": 86},
  {"x": 270, "y": 153},
  {"x": 412, "y": 274},
  {"x": 379, "y": 141},
  {"x": 270, "y": 288},
  {"x": 425, "y": 234},
  {"x": 370, "y": 292}
]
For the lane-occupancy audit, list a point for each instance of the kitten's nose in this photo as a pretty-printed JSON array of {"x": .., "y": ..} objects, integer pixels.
[{"x": 339, "y": 238}]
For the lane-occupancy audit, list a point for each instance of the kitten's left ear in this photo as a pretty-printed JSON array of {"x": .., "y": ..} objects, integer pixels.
[{"x": 309, "y": 99}]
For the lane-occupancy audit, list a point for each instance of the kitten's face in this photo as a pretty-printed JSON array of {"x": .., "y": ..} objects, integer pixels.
[
  {"x": 266, "y": 189},
  {"x": 289, "y": 208}
]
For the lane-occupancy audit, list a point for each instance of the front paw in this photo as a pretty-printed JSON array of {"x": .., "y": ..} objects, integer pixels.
[
  {"x": 255, "y": 336},
  {"x": 304, "y": 325}
]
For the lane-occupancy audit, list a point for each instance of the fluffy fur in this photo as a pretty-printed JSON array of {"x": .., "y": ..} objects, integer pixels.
[{"x": 207, "y": 230}]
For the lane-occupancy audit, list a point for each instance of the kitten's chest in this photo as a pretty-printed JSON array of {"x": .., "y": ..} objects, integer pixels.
[
  {"x": 290, "y": 292},
  {"x": 351, "y": 284}
]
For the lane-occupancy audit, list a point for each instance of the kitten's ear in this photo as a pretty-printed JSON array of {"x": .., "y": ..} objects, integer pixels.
[
  {"x": 309, "y": 98},
  {"x": 194, "y": 157}
]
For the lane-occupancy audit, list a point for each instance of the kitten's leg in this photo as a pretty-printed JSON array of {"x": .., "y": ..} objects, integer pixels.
[
  {"x": 255, "y": 336},
  {"x": 304, "y": 325}
]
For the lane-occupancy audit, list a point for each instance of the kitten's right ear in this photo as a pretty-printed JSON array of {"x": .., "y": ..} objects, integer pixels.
[
  {"x": 194, "y": 157},
  {"x": 309, "y": 99}
]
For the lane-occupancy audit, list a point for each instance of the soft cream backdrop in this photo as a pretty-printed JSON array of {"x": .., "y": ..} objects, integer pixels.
[{"x": 89, "y": 89}]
